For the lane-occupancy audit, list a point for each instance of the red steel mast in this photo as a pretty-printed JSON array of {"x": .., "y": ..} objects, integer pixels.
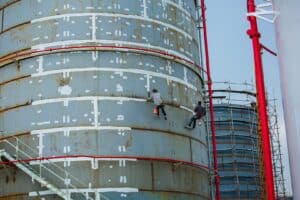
[
  {"x": 211, "y": 110},
  {"x": 261, "y": 99}
]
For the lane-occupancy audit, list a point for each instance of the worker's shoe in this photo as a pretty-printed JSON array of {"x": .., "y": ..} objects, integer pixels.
[{"x": 188, "y": 127}]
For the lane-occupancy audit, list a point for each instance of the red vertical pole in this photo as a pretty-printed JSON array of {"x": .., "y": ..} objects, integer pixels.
[
  {"x": 261, "y": 99},
  {"x": 211, "y": 109}
]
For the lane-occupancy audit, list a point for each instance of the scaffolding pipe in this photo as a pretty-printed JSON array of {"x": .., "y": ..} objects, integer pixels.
[
  {"x": 210, "y": 93},
  {"x": 261, "y": 99}
]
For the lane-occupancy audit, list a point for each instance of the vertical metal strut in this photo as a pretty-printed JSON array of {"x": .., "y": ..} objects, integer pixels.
[
  {"x": 261, "y": 99},
  {"x": 211, "y": 109}
]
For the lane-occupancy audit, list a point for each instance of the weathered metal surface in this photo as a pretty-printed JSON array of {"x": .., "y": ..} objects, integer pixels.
[
  {"x": 236, "y": 128},
  {"x": 85, "y": 109}
]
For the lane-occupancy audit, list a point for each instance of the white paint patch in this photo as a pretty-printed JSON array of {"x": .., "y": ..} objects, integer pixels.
[
  {"x": 41, "y": 144},
  {"x": 94, "y": 28},
  {"x": 40, "y": 61},
  {"x": 120, "y": 117},
  {"x": 96, "y": 113},
  {"x": 95, "y": 55},
  {"x": 185, "y": 74},
  {"x": 187, "y": 109},
  {"x": 148, "y": 83},
  {"x": 65, "y": 90},
  {"x": 145, "y": 8},
  {"x": 123, "y": 179},
  {"x": 122, "y": 163},
  {"x": 43, "y": 123}
]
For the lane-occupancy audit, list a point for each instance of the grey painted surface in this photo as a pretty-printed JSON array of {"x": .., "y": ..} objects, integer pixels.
[
  {"x": 288, "y": 44},
  {"x": 91, "y": 104}
]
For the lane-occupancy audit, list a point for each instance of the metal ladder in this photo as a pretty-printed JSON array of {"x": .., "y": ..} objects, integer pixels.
[
  {"x": 25, "y": 167},
  {"x": 22, "y": 155}
]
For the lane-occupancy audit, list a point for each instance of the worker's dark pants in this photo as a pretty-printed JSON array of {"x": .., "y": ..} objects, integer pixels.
[
  {"x": 162, "y": 107},
  {"x": 193, "y": 121}
]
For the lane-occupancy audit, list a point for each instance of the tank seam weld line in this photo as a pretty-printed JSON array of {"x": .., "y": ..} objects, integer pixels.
[
  {"x": 83, "y": 128},
  {"x": 134, "y": 71},
  {"x": 116, "y": 42},
  {"x": 161, "y": 53},
  {"x": 64, "y": 158},
  {"x": 85, "y": 98},
  {"x": 53, "y": 17},
  {"x": 120, "y": 189},
  {"x": 90, "y": 98}
]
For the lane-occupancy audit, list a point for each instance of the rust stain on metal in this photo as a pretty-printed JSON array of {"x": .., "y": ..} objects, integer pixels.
[
  {"x": 128, "y": 142},
  {"x": 15, "y": 136},
  {"x": 152, "y": 176},
  {"x": 173, "y": 191},
  {"x": 2, "y": 24},
  {"x": 17, "y": 55},
  {"x": 9, "y": 4},
  {"x": 15, "y": 107},
  {"x": 191, "y": 150},
  {"x": 64, "y": 81},
  {"x": 19, "y": 26},
  {"x": 15, "y": 79},
  {"x": 19, "y": 196}
]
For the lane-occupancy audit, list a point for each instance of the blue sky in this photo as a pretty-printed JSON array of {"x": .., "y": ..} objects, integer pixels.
[{"x": 231, "y": 52}]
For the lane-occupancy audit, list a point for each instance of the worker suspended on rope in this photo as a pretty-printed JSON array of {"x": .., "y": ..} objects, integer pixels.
[
  {"x": 199, "y": 113},
  {"x": 155, "y": 96}
]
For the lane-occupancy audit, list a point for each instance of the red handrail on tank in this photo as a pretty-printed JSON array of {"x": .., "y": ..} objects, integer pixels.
[
  {"x": 261, "y": 99},
  {"x": 210, "y": 92}
]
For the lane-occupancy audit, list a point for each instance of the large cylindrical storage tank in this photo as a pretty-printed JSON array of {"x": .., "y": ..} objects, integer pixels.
[
  {"x": 74, "y": 79},
  {"x": 237, "y": 148},
  {"x": 288, "y": 44}
]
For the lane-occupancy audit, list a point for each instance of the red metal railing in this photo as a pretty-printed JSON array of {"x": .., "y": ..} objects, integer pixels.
[{"x": 210, "y": 92}]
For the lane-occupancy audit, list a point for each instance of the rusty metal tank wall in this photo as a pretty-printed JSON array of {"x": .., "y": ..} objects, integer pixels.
[
  {"x": 74, "y": 80},
  {"x": 237, "y": 147}
]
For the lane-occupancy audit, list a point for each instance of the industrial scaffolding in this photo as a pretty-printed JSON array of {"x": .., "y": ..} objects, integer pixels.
[
  {"x": 278, "y": 168},
  {"x": 232, "y": 95},
  {"x": 237, "y": 140}
]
